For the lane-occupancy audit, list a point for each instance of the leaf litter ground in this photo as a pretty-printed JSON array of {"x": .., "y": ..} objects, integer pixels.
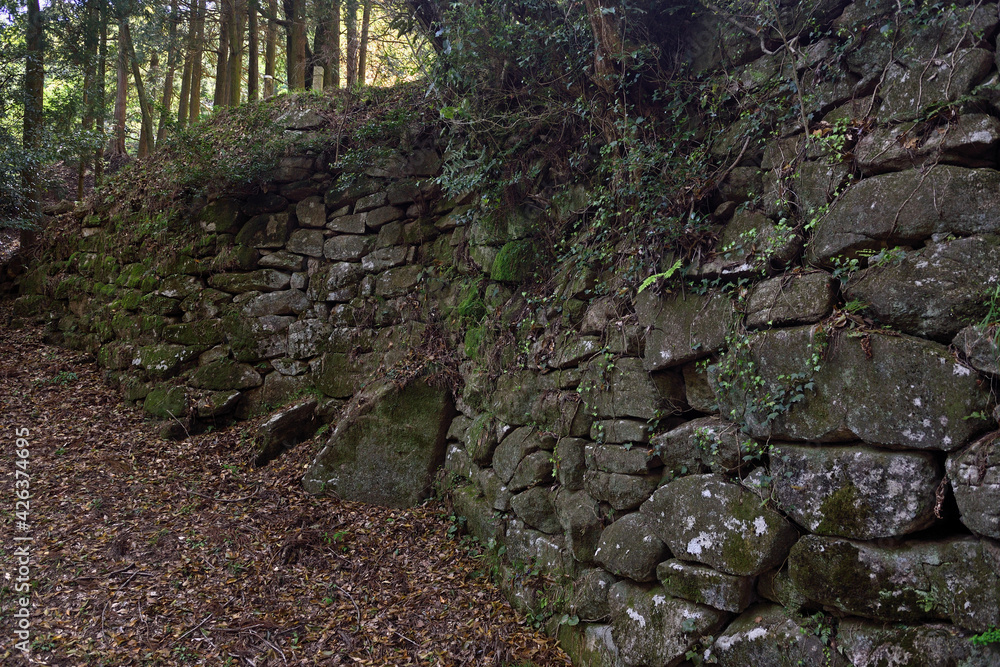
[{"x": 150, "y": 552}]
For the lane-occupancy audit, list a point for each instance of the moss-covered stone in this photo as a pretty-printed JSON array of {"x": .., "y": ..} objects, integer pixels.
[
  {"x": 268, "y": 230},
  {"x": 164, "y": 360},
  {"x": 225, "y": 374},
  {"x": 202, "y": 332},
  {"x": 166, "y": 402},
  {"x": 516, "y": 262}
]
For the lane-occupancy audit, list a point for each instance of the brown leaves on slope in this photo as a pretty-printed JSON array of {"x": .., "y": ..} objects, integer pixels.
[{"x": 149, "y": 552}]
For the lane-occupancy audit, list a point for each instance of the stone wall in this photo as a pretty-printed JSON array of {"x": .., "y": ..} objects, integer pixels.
[{"x": 789, "y": 461}]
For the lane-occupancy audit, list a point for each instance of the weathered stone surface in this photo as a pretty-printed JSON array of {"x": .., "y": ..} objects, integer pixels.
[
  {"x": 535, "y": 468},
  {"x": 955, "y": 578},
  {"x": 580, "y": 517},
  {"x": 575, "y": 349},
  {"x": 330, "y": 283},
  {"x": 571, "y": 462},
  {"x": 180, "y": 286},
  {"x": 534, "y": 507},
  {"x": 311, "y": 212},
  {"x": 262, "y": 280},
  {"x": 681, "y": 329},
  {"x": 306, "y": 242},
  {"x": 256, "y": 338},
  {"x": 384, "y": 258},
  {"x": 218, "y": 403},
  {"x": 166, "y": 402},
  {"x": 285, "y": 302},
  {"x": 980, "y": 347},
  {"x": 283, "y": 261},
  {"x": 284, "y": 429},
  {"x": 221, "y": 216},
  {"x": 767, "y": 635},
  {"x": 622, "y": 492},
  {"x": 513, "y": 448},
  {"x": 269, "y": 230},
  {"x": 625, "y": 389},
  {"x": 816, "y": 183},
  {"x": 306, "y": 338},
  {"x": 749, "y": 244},
  {"x": 202, "y": 332},
  {"x": 931, "y": 292},
  {"x": 704, "y": 585},
  {"x": 970, "y": 142},
  {"x": 618, "y": 459},
  {"x": 380, "y": 216},
  {"x": 386, "y": 446},
  {"x": 264, "y": 202},
  {"x": 974, "y": 473},
  {"x": 708, "y": 520},
  {"x": 700, "y": 445},
  {"x": 628, "y": 548},
  {"x": 399, "y": 281},
  {"x": 856, "y": 491},
  {"x": 792, "y": 299},
  {"x": 651, "y": 628},
  {"x": 337, "y": 376},
  {"x": 907, "y": 90},
  {"x": 868, "y": 644},
  {"x": 301, "y": 119},
  {"x": 225, "y": 374},
  {"x": 481, "y": 439},
  {"x": 479, "y": 516},
  {"x": 590, "y": 595},
  {"x": 907, "y": 207},
  {"x": 620, "y": 431},
  {"x": 924, "y": 394},
  {"x": 348, "y": 224},
  {"x": 162, "y": 360},
  {"x": 589, "y": 645},
  {"x": 698, "y": 392}
]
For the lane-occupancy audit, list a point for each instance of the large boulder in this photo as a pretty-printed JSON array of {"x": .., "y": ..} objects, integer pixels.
[
  {"x": 957, "y": 579},
  {"x": 931, "y": 292},
  {"x": 623, "y": 388},
  {"x": 907, "y": 208},
  {"x": 868, "y": 644},
  {"x": 386, "y": 446},
  {"x": 767, "y": 635},
  {"x": 628, "y": 548},
  {"x": 924, "y": 394},
  {"x": 970, "y": 142},
  {"x": 682, "y": 328},
  {"x": 856, "y": 491},
  {"x": 975, "y": 477},
  {"x": 704, "y": 518}
]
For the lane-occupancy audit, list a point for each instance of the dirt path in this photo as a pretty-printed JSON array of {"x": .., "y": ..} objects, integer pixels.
[{"x": 147, "y": 552}]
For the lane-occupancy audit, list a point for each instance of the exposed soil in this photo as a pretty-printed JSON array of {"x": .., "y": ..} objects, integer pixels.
[{"x": 149, "y": 552}]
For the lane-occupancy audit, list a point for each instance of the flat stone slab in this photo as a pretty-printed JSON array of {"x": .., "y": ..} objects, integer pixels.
[
  {"x": 789, "y": 300},
  {"x": 856, "y": 491},
  {"x": 705, "y": 585}
]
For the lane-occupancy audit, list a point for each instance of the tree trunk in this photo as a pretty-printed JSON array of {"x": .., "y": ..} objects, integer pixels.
[
  {"x": 237, "y": 29},
  {"x": 194, "y": 107},
  {"x": 102, "y": 68},
  {"x": 297, "y": 57},
  {"x": 140, "y": 89},
  {"x": 185, "y": 102},
  {"x": 91, "y": 37},
  {"x": 168, "y": 82},
  {"x": 117, "y": 145},
  {"x": 34, "y": 86},
  {"x": 363, "y": 53},
  {"x": 270, "y": 46},
  {"x": 146, "y": 138},
  {"x": 253, "y": 56},
  {"x": 334, "y": 38},
  {"x": 608, "y": 45},
  {"x": 221, "y": 97},
  {"x": 351, "y": 23}
]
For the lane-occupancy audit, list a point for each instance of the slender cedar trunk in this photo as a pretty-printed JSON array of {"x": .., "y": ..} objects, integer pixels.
[
  {"x": 146, "y": 138},
  {"x": 270, "y": 46},
  {"x": 102, "y": 69},
  {"x": 253, "y": 56},
  {"x": 185, "y": 102},
  {"x": 299, "y": 44},
  {"x": 288, "y": 6},
  {"x": 34, "y": 86},
  {"x": 334, "y": 82},
  {"x": 117, "y": 146},
  {"x": 237, "y": 30},
  {"x": 363, "y": 52},
  {"x": 194, "y": 107},
  {"x": 221, "y": 97},
  {"x": 168, "y": 82},
  {"x": 140, "y": 89},
  {"x": 90, "y": 39},
  {"x": 351, "y": 23},
  {"x": 310, "y": 60}
]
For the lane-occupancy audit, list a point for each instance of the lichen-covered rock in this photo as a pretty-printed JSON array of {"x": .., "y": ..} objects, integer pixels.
[
  {"x": 620, "y": 431},
  {"x": 285, "y": 302},
  {"x": 974, "y": 473},
  {"x": 580, "y": 517},
  {"x": 166, "y": 402},
  {"x": 933, "y": 291},
  {"x": 868, "y": 644},
  {"x": 924, "y": 394},
  {"x": 256, "y": 338},
  {"x": 384, "y": 258},
  {"x": 262, "y": 280},
  {"x": 386, "y": 446},
  {"x": 218, "y": 403},
  {"x": 856, "y": 491},
  {"x": 338, "y": 376},
  {"x": 908, "y": 207},
  {"x": 180, "y": 286},
  {"x": 307, "y": 338},
  {"x": 622, "y": 492},
  {"x": 570, "y": 461},
  {"x": 625, "y": 460},
  {"x": 970, "y": 142},
  {"x": 334, "y": 282},
  {"x": 480, "y": 518},
  {"x": 909, "y": 88},
  {"x": 956, "y": 578},
  {"x": 700, "y": 445},
  {"x": 225, "y": 374},
  {"x": 980, "y": 347},
  {"x": 481, "y": 439},
  {"x": 704, "y": 585},
  {"x": 623, "y": 388},
  {"x": 589, "y": 645},
  {"x": 202, "y": 332},
  {"x": 791, "y": 299},
  {"x": 766, "y": 634},
  {"x": 628, "y": 548},
  {"x": 311, "y": 212},
  {"x": 282, "y": 260},
  {"x": 706, "y": 519},
  {"x": 574, "y": 349},
  {"x": 654, "y": 629},
  {"x": 518, "y": 444},
  {"x": 164, "y": 360},
  {"x": 682, "y": 328},
  {"x": 268, "y": 230},
  {"x": 306, "y": 242},
  {"x": 534, "y": 507},
  {"x": 221, "y": 216},
  {"x": 286, "y": 428},
  {"x": 590, "y": 595},
  {"x": 534, "y": 469},
  {"x": 398, "y": 281}
]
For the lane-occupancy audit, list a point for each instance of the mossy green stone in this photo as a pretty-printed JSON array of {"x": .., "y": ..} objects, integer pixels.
[{"x": 166, "y": 402}]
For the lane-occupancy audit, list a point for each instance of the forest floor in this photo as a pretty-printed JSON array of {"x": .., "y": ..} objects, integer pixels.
[{"x": 152, "y": 552}]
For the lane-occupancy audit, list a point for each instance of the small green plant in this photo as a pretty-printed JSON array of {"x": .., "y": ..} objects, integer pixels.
[{"x": 991, "y": 636}]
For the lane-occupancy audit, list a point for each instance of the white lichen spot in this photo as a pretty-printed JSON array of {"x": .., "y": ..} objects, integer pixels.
[
  {"x": 756, "y": 633},
  {"x": 961, "y": 370},
  {"x": 658, "y": 600},
  {"x": 703, "y": 541},
  {"x": 943, "y": 420},
  {"x": 705, "y": 493},
  {"x": 760, "y": 525},
  {"x": 636, "y": 616},
  {"x": 946, "y": 441},
  {"x": 917, "y": 402}
]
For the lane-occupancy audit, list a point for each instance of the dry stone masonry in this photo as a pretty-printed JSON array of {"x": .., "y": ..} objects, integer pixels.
[{"x": 798, "y": 470}]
